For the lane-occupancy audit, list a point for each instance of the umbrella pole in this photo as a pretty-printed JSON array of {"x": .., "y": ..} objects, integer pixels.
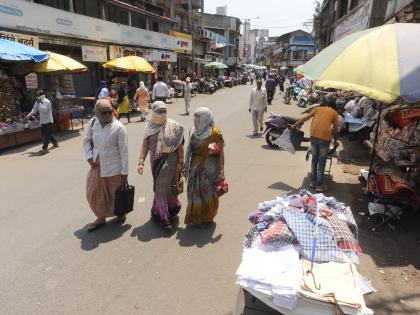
[{"x": 373, "y": 155}]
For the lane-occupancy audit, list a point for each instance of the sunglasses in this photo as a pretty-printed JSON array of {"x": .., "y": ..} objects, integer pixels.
[
  {"x": 161, "y": 111},
  {"x": 105, "y": 112}
]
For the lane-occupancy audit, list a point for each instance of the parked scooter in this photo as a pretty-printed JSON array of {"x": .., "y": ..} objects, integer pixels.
[
  {"x": 276, "y": 124},
  {"x": 228, "y": 82},
  {"x": 206, "y": 87},
  {"x": 288, "y": 93}
]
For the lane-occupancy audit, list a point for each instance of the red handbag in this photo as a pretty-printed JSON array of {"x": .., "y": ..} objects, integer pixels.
[{"x": 222, "y": 187}]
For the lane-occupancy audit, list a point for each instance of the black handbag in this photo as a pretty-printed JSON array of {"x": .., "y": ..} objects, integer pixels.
[{"x": 124, "y": 200}]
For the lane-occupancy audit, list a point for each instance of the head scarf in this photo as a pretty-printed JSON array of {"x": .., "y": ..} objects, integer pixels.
[
  {"x": 188, "y": 79},
  {"x": 203, "y": 123},
  {"x": 142, "y": 86},
  {"x": 171, "y": 133}
]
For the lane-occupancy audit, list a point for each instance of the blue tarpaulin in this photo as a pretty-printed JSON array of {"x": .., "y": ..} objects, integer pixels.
[{"x": 12, "y": 51}]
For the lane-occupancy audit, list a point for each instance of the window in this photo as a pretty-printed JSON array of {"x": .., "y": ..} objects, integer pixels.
[
  {"x": 354, "y": 4},
  {"x": 343, "y": 8},
  {"x": 298, "y": 55},
  {"x": 138, "y": 21},
  {"x": 59, "y": 4},
  {"x": 116, "y": 15},
  {"x": 89, "y": 8},
  {"x": 155, "y": 26}
]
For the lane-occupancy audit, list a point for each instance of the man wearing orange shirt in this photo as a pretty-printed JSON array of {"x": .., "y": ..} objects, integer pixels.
[{"x": 324, "y": 128}]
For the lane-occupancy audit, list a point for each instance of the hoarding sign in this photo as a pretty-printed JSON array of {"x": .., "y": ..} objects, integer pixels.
[{"x": 355, "y": 22}]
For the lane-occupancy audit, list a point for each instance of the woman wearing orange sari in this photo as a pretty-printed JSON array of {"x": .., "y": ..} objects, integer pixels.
[{"x": 143, "y": 99}]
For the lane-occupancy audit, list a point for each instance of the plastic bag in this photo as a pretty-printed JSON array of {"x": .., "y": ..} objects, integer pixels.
[{"x": 285, "y": 143}]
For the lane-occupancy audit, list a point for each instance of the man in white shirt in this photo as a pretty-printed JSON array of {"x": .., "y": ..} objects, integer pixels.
[
  {"x": 43, "y": 106},
  {"x": 160, "y": 91},
  {"x": 257, "y": 106},
  {"x": 106, "y": 150}
]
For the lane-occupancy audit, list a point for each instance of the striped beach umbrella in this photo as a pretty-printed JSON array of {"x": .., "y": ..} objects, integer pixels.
[{"x": 382, "y": 63}]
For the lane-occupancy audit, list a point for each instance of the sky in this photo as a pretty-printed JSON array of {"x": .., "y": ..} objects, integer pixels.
[{"x": 279, "y": 16}]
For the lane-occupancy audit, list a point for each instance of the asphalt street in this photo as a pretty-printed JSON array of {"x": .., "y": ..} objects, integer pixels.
[{"x": 51, "y": 265}]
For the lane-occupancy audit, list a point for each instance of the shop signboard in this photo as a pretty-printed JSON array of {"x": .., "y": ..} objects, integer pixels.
[
  {"x": 28, "y": 40},
  {"x": 357, "y": 21},
  {"x": 164, "y": 56},
  {"x": 183, "y": 43},
  {"x": 94, "y": 53},
  {"x": 31, "y": 81},
  {"x": 120, "y": 51},
  {"x": 19, "y": 15}
]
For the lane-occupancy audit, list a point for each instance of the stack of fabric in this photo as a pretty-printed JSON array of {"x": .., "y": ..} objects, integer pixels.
[{"x": 293, "y": 231}]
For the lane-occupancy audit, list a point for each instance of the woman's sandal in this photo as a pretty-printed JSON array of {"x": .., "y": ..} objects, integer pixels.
[{"x": 95, "y": 225}]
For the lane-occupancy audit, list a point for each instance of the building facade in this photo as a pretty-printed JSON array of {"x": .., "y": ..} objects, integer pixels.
[
  {"x": 288, "y": 50},
  {"x": 339, "y": 18},
  {"x": 95, "y": 31},
  {"x": 228, "y": 28}
]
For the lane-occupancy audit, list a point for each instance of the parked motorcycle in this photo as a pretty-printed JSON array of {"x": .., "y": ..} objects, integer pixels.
[
  {"x": 205, "y": 87},
  {"x": 228, "y": 82},
  {"x": 276, "y": 124},
  {"x": 288, "y": 93}
]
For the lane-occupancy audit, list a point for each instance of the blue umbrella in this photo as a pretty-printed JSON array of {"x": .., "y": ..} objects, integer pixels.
[{"x": 12, "y": 51}]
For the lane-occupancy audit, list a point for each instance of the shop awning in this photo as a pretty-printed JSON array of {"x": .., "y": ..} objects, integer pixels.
[
  {"x": 58, "y": 62},
  {"x": 12, "y": 51}
]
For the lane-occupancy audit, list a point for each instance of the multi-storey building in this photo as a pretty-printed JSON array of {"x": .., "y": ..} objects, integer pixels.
[
  {"x": 94, "y": 31},
  {"x": 339, "y": 18}
]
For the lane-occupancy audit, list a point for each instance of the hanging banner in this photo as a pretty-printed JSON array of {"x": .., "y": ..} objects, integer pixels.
[
  {"x": 28, "y": 40},
  {"x": 95, "y": 54}
]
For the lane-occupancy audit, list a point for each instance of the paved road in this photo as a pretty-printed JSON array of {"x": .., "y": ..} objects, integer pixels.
[{"x": 50, "y": 265}]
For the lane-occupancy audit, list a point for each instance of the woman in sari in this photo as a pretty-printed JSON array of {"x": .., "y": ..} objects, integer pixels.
[
  {"x": 143, "y": 99},
  {"x": 164, "y": 139},
  {"x": 204, "y": 165},
  {"x": 123, "y": 102}
]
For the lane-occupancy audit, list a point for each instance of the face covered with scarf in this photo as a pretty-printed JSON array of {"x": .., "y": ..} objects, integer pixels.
[
  {"x": 159, "y": 114},
  {"x": 203, "y": 123},
  {"x": 142, "y": 86}
]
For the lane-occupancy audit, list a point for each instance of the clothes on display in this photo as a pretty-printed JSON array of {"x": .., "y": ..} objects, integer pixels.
[{"x": 280, "y": 258}]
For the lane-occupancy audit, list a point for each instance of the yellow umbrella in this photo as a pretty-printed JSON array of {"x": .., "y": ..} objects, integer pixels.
[
  {"x": 131, "y": 64},
  {"x": 58, "y": 62}
]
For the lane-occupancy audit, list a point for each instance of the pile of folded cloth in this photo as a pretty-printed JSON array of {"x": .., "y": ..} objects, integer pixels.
[{"x": 295, "y": 234}]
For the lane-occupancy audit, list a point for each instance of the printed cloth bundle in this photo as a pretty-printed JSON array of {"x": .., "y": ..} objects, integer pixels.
[
  {"x": 290, "y": 220},
  {"x": 392, "y": 186}
]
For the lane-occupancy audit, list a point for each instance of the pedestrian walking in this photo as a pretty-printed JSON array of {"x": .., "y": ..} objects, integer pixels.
[
  {"x": 204, "y": 168},
  {"x": 252, "y": 76},
  {"x": 43, "y": 106},
  {"x": 280, "y": 79},
  {"x": 142, "y": 98},
  {"x": 106, "y": 151},
  {"x": 270, "y": 86},
  {"x": 164, "y": 139},
  {"x": 257, "y": 106},
  {"x": 160, "y": 91},
  {"x": 103, "y": 91},
  {"x": 124, "y": 107},
  {"x": 324, "y": 127},
  {"x": 187, "y": 95}
]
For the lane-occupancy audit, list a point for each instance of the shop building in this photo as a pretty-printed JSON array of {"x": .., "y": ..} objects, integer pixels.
[
  {"x": 403, "y": 11},
  {"x": 339, "y": 18}
]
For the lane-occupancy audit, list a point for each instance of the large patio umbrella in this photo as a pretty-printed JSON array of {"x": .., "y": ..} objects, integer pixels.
[
  {"x": 216, "y": 65},
  {"x": 382, "y": 63},
  {"x": 12, "y": 51},
  {"x": 130, "y": 64},
  {"x": 57, "y": 63}
]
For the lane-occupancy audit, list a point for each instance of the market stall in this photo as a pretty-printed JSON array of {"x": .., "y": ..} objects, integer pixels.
[
  {"x": 300, "y": 258},
  {"x": 382, "y": 64},
  {"x": 57, "y": 72},
  {"x": 14, "y": 127}
]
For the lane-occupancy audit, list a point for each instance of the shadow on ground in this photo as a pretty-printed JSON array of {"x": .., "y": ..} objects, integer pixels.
[
  {"x": 108, "y": 233},
  {"x": 151, "y": 230},
  {"x": 198, "y": 235}
]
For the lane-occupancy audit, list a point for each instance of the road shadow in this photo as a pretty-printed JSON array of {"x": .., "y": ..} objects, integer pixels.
[
  {"x": 287, "y": 189},
  {"x": 257, "y": 136},
  {"x": 110, "y": 232},
  {"x": 184, "y": 114},
  {"x": 22, "y": 148},
  {"x": 198, "y": 235},
  {"x": 151, "y": 230}
]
